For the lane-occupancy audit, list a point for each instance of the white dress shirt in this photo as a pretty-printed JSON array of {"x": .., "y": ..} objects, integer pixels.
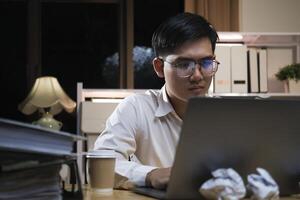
[{"x": 144, "y": 131}]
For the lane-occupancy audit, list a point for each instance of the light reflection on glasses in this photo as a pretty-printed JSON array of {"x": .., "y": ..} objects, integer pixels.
[{"x": 186, "y": 67}]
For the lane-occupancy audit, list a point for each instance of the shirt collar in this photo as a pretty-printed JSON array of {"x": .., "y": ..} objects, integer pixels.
[{"x": 164, "y": 104}]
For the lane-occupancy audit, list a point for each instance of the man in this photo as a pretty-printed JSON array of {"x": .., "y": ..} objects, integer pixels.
[{"x": 144, "y": 129}]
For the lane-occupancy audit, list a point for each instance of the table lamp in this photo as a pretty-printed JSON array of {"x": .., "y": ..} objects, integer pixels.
[{"x": 49, "y": 98}]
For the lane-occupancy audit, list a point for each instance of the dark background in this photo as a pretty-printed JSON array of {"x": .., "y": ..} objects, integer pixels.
[{"x": 76, "y": 40}]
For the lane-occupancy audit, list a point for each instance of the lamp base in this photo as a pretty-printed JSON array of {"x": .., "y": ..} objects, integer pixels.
[{"x": 48, "y": 121}]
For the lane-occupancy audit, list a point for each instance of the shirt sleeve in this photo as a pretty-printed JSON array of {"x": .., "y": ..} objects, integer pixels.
[{"x": 120, "y": 135}]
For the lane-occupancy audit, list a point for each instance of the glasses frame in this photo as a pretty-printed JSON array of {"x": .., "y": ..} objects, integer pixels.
[{"x": 200, "y": 65}]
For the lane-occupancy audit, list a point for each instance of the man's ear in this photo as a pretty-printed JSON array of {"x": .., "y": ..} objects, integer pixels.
[{"x": 158, "y": 65}]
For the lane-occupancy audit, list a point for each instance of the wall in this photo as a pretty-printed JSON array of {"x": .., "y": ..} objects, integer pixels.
[
  {"x": 269, "y": 15},
  {"x": 222, "y": 14}
]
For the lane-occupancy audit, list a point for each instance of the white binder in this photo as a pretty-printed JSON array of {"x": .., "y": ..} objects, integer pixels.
[
  {"x": 239, "y": 74},
  {"x": 222, "y": 80},
  {"x": 253, "y": 69},
  {"x": 263, "y": 73}
]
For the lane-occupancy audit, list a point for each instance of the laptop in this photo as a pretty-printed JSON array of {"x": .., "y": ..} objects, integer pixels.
[{"x": 242, "y": 134}]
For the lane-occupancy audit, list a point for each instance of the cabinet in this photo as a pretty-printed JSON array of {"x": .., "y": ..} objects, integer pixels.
[{"x": 274, "y": 50}]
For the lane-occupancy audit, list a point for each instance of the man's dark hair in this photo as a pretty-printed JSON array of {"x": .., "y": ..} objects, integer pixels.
[{"x": 177, "y": 30}]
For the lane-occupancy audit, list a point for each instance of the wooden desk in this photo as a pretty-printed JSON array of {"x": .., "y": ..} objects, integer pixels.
[
  {"x": 125, "y": 194},
  {"x": 116, "y": 195}
]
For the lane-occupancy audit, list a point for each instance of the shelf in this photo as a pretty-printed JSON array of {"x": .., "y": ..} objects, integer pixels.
[
  {"x": 266, "y": 39},
  {"x": 262, "y": 95}
]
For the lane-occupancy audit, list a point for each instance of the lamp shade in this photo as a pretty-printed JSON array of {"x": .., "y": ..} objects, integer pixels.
[{"x": 47, "y": 93}]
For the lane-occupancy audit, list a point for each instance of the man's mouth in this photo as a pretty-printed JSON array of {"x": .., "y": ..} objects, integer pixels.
[{"x": 194, "y": 88}]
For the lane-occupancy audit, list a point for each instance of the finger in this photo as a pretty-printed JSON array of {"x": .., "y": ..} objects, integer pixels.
[{"x": 160, "y": 182}]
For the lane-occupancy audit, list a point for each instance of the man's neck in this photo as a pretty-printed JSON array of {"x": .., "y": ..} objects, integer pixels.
[{"x": 178, "y": 105}]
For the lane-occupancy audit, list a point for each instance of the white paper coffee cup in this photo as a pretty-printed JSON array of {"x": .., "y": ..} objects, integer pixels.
[{"x": 101, "y": 170}]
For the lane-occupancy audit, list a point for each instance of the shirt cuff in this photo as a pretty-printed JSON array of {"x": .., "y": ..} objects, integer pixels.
[{"x": 139, "y": 175}]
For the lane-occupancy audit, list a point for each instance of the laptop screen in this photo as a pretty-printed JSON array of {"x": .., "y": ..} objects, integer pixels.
[{"x": 239, "y": 133}]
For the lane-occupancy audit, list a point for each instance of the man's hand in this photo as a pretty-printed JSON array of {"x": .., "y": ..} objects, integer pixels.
[{"x": 158, "y": 178}]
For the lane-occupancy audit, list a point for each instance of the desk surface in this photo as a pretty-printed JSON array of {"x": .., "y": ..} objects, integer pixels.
[
  {"x": 125, "y": 194},
  {"x": 116, "y": 195}
]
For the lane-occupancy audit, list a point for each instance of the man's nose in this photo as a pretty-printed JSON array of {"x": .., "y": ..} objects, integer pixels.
[{"x": 197, "y": 75}]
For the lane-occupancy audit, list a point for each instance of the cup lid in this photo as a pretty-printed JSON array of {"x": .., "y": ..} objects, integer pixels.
[{"x": 101, "y": 154}]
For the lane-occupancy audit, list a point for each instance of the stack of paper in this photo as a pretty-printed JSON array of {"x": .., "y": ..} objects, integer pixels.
[
  {"x": 30, "y": 160},
  {"x": 40, "y": 182}
]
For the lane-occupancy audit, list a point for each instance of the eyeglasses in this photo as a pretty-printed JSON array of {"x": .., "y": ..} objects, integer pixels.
[{"x": 186, "y": 67}]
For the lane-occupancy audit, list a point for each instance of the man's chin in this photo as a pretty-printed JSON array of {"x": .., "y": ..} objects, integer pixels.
[
  {"x": 186, "y": 97},
  {"x": 197, "y": 93}
]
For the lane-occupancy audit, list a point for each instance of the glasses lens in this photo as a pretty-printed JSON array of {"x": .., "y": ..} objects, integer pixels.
[
  {"x": 185, "y": 68},
  {"x": 209, "y": 67}
]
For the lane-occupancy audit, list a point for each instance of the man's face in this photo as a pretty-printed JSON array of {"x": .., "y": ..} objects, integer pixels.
[{"x": 182, "y": 88}]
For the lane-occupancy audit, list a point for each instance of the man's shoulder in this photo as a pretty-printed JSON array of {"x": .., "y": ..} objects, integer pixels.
[{"x": 148, "y": 97}]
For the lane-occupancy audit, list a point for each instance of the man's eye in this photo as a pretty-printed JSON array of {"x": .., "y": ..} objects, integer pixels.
[
  {"x": 183, "y": 64},
  {"x": 206, "y": 63}
]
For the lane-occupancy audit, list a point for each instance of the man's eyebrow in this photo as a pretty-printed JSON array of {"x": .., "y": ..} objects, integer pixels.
[
  {"x": 179, "y": 58},
  {"x": 182, "y": 58},
  {"x": 209, "y": 57}
]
